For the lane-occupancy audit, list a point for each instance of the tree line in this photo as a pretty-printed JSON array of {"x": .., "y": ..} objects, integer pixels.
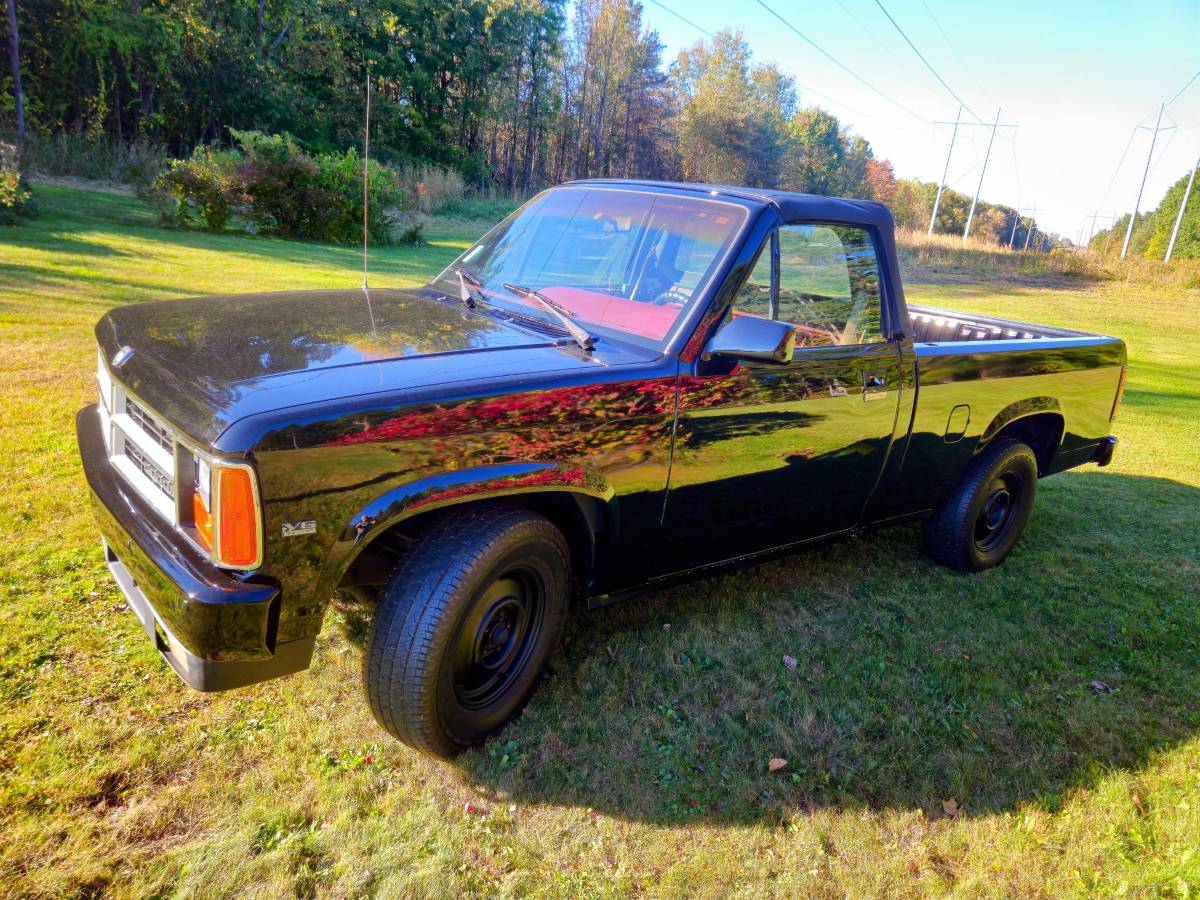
[{"x": 512, "y": 94}]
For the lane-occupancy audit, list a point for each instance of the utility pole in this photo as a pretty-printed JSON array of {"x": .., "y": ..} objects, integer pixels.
[
  {"x": 945, "y": 170},
  {"x": 1108, "y": 240},
  {"x": 979, "y": 187},
  {"x": 1091, "y": 228},
  {"x": 1187, "y": 191},
  {"x": 1012, "y": 237},
  {"x": 1142, "y": 187},
  {"x": 1032, "y": 228}
]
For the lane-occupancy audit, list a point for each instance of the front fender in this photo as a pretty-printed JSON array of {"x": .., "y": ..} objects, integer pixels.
[{"x": 463, "y": 486}]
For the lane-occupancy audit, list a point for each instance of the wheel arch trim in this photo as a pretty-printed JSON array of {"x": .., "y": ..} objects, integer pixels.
[
  {"x": 1015, "y": 414},
  {"x": 589, "y": 489}
]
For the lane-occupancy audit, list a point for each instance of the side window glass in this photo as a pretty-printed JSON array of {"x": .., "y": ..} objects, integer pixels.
[
  {"x": 754, "y": 298},
  {"x": 829, "y": 285}
]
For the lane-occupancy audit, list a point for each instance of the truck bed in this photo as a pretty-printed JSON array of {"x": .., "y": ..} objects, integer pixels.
[{"x": 934, "y": 326}]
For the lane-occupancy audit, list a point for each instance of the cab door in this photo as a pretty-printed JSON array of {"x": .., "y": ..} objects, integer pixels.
[{"x": 768, "y": 455}]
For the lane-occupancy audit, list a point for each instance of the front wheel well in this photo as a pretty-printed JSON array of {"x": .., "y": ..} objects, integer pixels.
[
  {"x": 1043, "y": 433},
  {"x": 581, "y": 518}
]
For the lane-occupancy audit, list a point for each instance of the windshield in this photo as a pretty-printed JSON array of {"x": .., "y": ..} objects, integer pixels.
[{"x": 626, "y": 262}]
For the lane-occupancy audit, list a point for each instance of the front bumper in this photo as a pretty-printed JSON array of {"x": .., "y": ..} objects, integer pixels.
[{"x": 217, "y": 631}]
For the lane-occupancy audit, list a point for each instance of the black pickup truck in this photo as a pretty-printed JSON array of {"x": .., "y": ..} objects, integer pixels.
[{"x": 622, "y": 384}]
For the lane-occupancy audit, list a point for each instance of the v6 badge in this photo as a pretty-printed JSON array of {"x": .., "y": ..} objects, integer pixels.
[{"x": 295, "y": 529}]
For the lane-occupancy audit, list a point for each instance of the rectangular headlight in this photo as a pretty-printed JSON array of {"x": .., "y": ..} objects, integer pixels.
[{"x": 104, "y": 381}]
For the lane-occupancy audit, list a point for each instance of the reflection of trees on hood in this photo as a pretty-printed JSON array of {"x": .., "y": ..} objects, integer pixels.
[{"x": 231, "y": 339}]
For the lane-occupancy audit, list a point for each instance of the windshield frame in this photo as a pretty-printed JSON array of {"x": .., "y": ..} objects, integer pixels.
[{"x": 689, "y": 313}]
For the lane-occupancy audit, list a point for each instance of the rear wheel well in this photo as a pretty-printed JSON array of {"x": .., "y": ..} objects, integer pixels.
[
  {"x": 1042, "y": 432},
  {"x": 580, "y": 518}
]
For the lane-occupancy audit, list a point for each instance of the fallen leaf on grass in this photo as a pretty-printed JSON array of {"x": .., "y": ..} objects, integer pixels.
[
  {"x": 790, "y": 662},
  {"x": 1100, "y": 687},
  {"x": 950, "y": 807},
  {"x": 776, "y": 764},
  {"x": 1138, "y": 805}
]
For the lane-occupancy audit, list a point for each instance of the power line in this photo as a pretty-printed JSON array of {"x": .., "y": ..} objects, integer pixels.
[
  {"x": 1163, "y": 152},
  {"x": 866, "y": 29},
  {"x": 802, "y": 87},
  {"x": 953, "y": 49},
  {"x": 681, "y": 18},
  {"x": 1184, "y": 88},
  {"x": 958, "y": 180},
  {"x": 1016, "y": 169},
  {"x": 841, "y": 65},
  {"x": 857, "y": 112},
  {"x": 1120, "y": 162},
  {"x": 921, "y": 57}
]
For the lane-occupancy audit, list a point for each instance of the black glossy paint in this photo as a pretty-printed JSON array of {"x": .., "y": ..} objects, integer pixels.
[{"x": 366, "y": 411}]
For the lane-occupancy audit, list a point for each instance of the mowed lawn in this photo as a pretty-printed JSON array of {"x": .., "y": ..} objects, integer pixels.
[{"x": 942, "y": 732}]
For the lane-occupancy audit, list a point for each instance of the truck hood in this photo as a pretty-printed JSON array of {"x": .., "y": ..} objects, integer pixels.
[{"x": 205, "y": 363}]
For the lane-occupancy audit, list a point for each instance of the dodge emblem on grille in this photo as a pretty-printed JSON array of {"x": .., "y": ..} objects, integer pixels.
[{"x": 121, "y": 356}]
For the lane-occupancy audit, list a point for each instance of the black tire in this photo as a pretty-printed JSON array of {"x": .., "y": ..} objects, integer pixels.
[
  {"x": 465, "y": 627},
  {"x": 981, "y": 521}
]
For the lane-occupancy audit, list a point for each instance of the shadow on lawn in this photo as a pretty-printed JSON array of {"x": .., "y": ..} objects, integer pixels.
[{"x": 912, "y": 685}]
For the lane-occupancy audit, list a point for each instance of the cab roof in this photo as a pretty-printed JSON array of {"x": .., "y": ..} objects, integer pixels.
[{"x": 790, "y": 204}]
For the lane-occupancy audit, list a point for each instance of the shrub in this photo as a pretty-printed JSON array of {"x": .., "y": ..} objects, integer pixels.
[
  {"x": 271, "y": 186},
  {"x": 16, "y": 200},
  {"x": 204, "y": 186},
  {"x": 340, "y": 178},
  {"x": 278, "y": 187}
]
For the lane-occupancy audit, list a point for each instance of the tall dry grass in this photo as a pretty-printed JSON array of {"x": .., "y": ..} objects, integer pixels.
[
  {"x": 438, "y": 190},
  {"x": 945, "y": 253}
]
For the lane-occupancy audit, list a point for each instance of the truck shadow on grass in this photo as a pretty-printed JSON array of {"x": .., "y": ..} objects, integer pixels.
[{"x": 911, "y": 684}]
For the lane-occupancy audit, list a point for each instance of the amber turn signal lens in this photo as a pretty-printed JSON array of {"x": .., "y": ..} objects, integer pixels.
[
  {"x": 202, "y": 519},
  {"x": 237, "y": 519}
]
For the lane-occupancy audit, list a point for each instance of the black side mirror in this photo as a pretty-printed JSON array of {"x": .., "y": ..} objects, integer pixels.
[{"x": 749, "y": 337}]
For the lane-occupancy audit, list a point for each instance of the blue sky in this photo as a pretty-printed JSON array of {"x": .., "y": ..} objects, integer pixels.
[{"x": 1076, "y": 77}]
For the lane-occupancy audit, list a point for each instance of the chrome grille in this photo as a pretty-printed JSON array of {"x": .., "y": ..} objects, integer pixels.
[
  {"x": 149, "y": 425},
  {"x": 144, "y": 464},
  {"x": 141, "y": 447}
]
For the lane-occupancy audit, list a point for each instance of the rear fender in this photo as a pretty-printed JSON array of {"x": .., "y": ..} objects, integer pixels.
[
  {"x": 1019, "y": 410},
  {"x": 1010, "y": 418}
]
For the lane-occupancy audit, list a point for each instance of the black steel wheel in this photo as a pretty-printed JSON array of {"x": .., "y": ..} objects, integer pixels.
[
  {"x": 977, "y": 527},
  {"x": 465, "y": 627},
  {"x": 498, "y": 637}
]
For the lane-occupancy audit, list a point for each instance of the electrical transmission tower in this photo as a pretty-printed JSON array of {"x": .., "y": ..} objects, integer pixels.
[
  {"x": 1017, "y": 224},
  {"x": 1032, "y": 227},
  {"x": 1092, "y": 228},
  {"x": 1145, "y": 172},
  {"x": 958, "y": 123},
  {"x": 1187, "y": 192}
]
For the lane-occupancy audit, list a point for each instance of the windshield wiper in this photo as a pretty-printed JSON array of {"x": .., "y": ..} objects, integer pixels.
[
  {"x": 564, "y": 316},
  {"x": 473, "y": 295}
]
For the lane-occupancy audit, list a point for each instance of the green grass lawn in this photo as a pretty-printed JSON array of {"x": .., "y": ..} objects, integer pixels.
[{"x": 641, "y": 766}]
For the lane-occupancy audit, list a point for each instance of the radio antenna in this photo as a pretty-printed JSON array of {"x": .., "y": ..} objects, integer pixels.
[{"x": 366, "y": 160}]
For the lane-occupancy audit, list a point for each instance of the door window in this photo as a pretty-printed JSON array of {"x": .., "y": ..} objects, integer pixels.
[
  {"x": 755, "y": 295},
  {"x": 828, "y": 285}
]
